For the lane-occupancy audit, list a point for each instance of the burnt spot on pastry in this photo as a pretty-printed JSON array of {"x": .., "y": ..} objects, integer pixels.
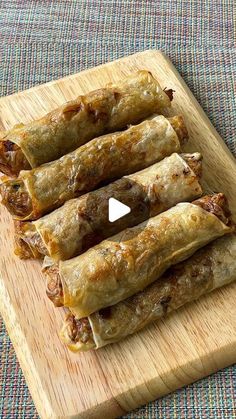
[
  {"x": 105, "y": 313},
  {"x": 90, "y": 240},
  {"x": 194, "y": 272},
  {"x": 117, "y": 96},
  {"x": 169, "y": 93},
  {"x": 174, "y": 272},
  {"x": 9, "y": 145},
  {"x": 186, "y": 171},
  {"x": 164, "y": 301},
  {"x": 16, "y": 186}
]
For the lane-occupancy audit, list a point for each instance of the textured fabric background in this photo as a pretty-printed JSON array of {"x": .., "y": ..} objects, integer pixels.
[{"x": 45, "y": 40}]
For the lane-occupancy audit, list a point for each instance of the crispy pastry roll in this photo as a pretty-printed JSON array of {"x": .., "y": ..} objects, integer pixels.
[
  {"x": 74, "y": 123},
  {"x": 83, "y": 222},
  {"x": 131, "y": 260},
  {"x": 103, "y": 159},
  {"x": 209, "y": 268}
]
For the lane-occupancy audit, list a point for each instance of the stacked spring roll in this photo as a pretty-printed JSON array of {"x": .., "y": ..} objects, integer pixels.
[
  {"x": 115, "y": 278},
  {"x": 209, "y": 268},
  {"x": 73, "y": 124},
  {"x": 103, "y": 159},
  {"x": 83, "y": 222},
  {"x": 128, "y": 262}
]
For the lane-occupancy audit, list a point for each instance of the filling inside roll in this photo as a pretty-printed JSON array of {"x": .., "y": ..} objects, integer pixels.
[
  {"x": 194, "y": 163},
  {"x": 19, "y": 202},
  {"x": 215, "y": 204},
  {"x": 12, "y": 159},
  {"x": 79, "y": 331},
  {"x": 54, "y": 285},
  {"x": 16, "y": 197},
  {"x": 28, "y": 242}
]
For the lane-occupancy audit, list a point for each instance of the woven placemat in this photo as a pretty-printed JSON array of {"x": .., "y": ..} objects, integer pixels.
[{"x": 45, "y": 40}]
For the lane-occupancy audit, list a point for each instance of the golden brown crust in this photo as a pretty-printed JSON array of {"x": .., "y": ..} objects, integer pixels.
[
  {"x": 101, "y": 160},
  {"x": 88, "y": 116},
  {"x": 216, "y": 204},
  {"x": 82, "y": 223},
  {"x": 172, "y": 290},
  {"x": 209, "y": 268},
  {"x": 13, "y": 160},
  {"x": 177, "y": 122}
]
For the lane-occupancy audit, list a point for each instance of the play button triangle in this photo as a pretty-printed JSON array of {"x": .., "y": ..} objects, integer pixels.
[{"x": 116, "y": 210}]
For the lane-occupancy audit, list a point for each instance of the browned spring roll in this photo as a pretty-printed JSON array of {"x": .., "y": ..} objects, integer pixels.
[
  {"x": 103, "y": 159},
  {"x": 209, "y": 268},
  {"x": 76, "y": 122},
  {"x": 83, "y": 222},
  {"x": 131, "y": 260}
]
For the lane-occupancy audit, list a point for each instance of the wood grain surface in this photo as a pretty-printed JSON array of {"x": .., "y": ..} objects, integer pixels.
[{"x": 191, "y": 343}]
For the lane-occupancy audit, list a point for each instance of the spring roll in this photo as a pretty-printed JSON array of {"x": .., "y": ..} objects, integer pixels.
[
  {"x": 209, "y": 268},
  {"x": 83, "y": 222},
  {"x": 103, "y": 159},
  {"x": 128, "y": 262},
  {"x": 76, "y": 122}
]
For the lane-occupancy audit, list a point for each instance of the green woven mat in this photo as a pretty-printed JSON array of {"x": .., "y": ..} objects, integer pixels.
[{"x": 45, "y": 40}]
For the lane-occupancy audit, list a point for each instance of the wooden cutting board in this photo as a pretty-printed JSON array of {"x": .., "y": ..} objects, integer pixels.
[{"x": 191, "y": 343}]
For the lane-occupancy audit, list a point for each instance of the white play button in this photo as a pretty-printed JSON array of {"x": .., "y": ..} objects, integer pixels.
[{"x": 117, "y": 210}]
